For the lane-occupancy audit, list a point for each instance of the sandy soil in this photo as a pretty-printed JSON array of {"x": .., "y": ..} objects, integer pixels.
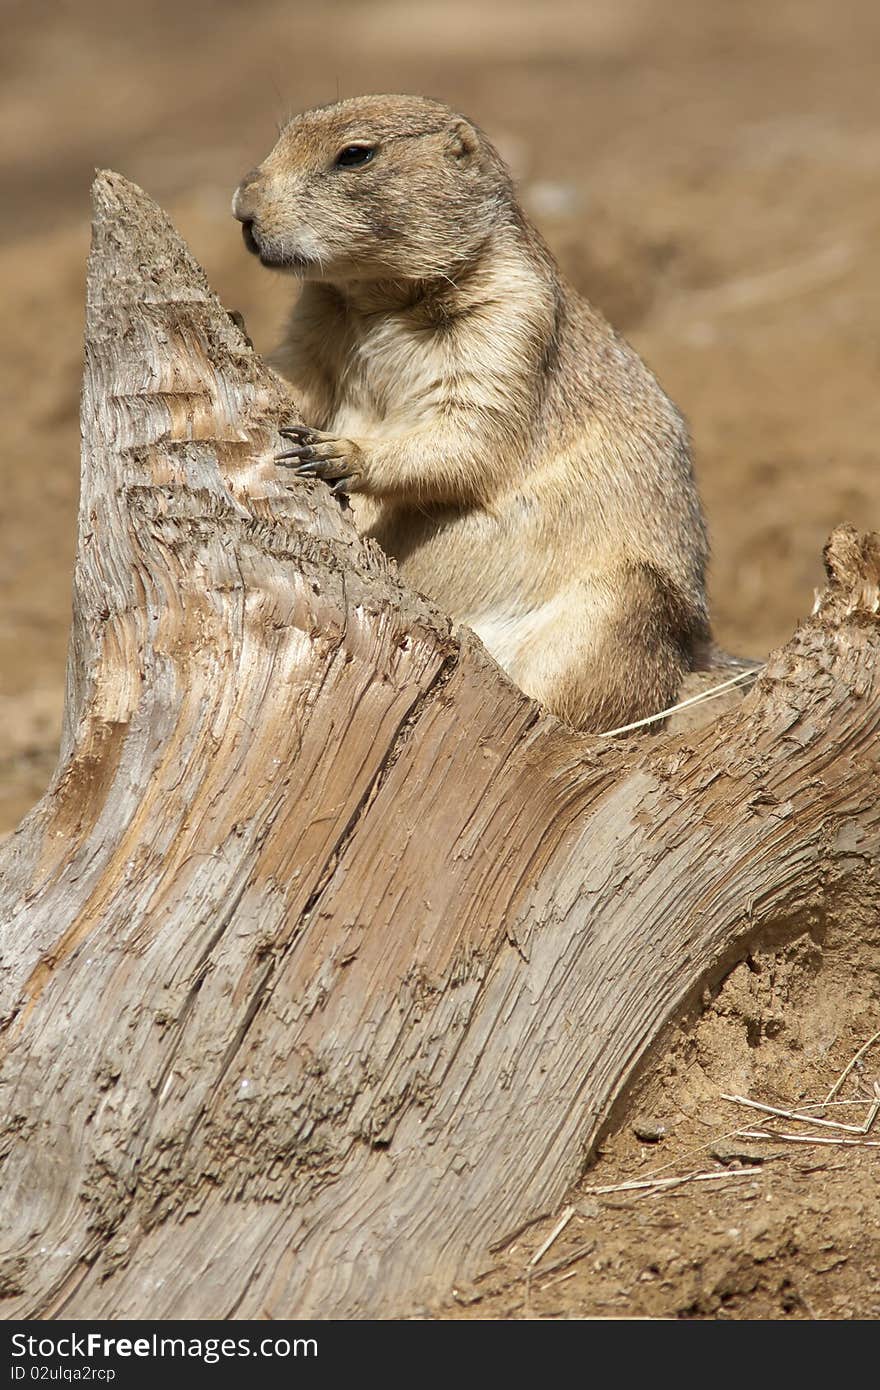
[
  {"x": 708, "y": 174},
  {"x": 781, "y": 1229}
]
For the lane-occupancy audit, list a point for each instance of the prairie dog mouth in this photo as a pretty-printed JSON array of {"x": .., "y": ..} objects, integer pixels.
[
  {"x": 250, "y": 241},
  {"x": 271, "y": 256}
]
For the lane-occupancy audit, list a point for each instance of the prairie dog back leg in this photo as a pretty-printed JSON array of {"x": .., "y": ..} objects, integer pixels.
[{"x": 615, "y": 652}]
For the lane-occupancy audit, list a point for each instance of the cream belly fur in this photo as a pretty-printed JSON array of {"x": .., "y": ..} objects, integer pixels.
[{"x": 493, "y": 433}]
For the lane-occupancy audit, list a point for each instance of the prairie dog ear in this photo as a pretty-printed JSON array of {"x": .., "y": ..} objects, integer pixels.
[{"x": 462, "y": 139}]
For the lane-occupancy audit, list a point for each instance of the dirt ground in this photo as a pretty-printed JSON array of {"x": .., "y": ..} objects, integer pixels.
[
  {"x": 781, "y": 1229},
  {"x": 709, "y": 174}
]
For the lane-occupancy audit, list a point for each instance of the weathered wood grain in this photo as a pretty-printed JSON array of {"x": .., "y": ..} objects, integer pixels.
[{"x": 327, "y": 953}]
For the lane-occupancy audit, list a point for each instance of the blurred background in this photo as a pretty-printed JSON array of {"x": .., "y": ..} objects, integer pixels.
[{"x": 707, "y": 172}]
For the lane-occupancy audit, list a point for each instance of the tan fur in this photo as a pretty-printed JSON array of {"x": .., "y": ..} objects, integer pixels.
[{"x": 497, "y": 437}]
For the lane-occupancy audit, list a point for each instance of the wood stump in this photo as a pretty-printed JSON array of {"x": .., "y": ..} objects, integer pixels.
[{"x": 327, "y": 953}]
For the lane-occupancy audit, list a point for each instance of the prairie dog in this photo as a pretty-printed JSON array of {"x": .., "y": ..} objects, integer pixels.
[{"x": 494, "y": 434}]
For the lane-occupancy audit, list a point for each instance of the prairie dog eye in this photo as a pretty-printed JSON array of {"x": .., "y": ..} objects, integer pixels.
[{"x": 353, "y": 156}]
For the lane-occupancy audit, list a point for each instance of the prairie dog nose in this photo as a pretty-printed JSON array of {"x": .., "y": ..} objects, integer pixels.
[{"x": 241, "y": 204}]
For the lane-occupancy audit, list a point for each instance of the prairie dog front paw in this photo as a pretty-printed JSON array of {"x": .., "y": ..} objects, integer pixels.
[{"x": 316, "y": 454}]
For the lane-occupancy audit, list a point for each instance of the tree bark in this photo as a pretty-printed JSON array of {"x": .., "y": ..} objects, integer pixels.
[{"x": 327, "y": 954}]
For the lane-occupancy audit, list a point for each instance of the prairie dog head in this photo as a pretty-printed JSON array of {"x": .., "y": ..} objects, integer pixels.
[{"x": 374, "y": 188}]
